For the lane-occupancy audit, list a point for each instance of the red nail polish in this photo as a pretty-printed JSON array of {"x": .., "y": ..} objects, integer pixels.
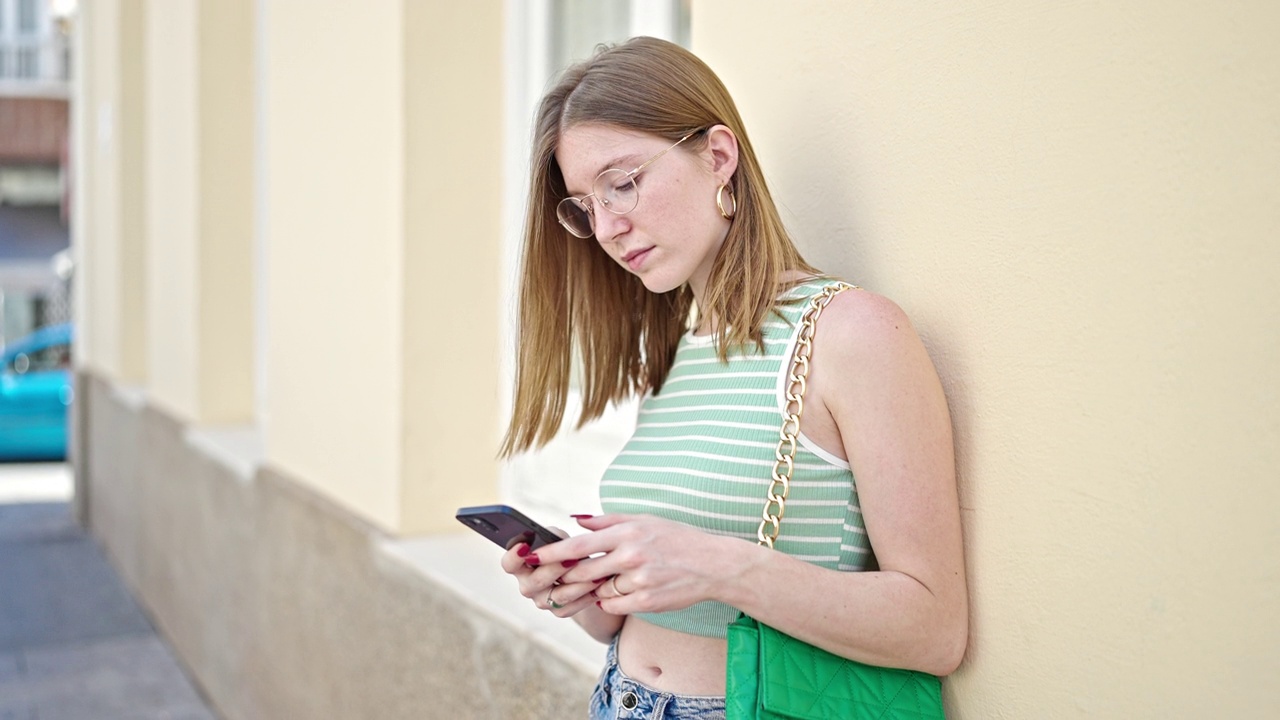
[
  {"x": 532, "y": 559},
  {"x": 599, "y": 605},
  {"x": 581, "y": 516},
  {"x": 523, "y": 550},
  {"x": 597, "y": 582},
  {"x": 569, "y": 563}
]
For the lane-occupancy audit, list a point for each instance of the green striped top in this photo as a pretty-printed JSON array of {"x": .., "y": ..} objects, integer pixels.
[{"x": 703, "y": 451}]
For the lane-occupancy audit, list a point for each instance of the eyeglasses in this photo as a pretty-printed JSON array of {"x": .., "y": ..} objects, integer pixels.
[{"x": 613, "y": 189}]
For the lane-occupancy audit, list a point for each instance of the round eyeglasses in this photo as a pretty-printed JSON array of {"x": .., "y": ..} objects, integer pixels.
[{"x": 614, "y": 190}]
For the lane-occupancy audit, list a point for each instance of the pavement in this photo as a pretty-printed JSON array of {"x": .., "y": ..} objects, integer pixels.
[{"x": 74, "y": 645}]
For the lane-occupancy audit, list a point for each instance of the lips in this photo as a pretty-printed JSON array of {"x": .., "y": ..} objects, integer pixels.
[{"x": 635, "y": 258}]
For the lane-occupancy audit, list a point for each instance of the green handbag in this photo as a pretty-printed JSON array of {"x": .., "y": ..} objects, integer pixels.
[{"x": 771, "y": 675}]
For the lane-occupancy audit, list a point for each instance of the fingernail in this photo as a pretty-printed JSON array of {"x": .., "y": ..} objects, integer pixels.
[
  {"x": 581, "y": 516},
  {"x": 597, "y": 582},
  {"x": 522, "y": 550},
  {"x": 569, "y": 563},
  {"x": 599, "y": 605},
  {"x": 532, "y": 559}
]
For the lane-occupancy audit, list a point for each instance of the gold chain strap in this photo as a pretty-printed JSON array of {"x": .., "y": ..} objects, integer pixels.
[{"x": 784, "y": 464}]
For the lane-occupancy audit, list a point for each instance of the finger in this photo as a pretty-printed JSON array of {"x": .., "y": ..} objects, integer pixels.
[
  {"x": 600, "y": 522},
  {"x": 573, "y": 607},
  {"x": 578, "y": 548},
  {"x": 513, "y": 560},
  {"x": 539, "y": 580},
  {"x": 616, "y": 598},
  {"x": 572, "y": 592},
  {"x": 596, "y": 570}
]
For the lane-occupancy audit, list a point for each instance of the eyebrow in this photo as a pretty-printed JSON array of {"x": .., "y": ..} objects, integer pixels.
[{"x": 626, "y": 163}]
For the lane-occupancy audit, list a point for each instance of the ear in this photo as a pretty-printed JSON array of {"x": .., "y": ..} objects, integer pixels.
[{"x": 723, "y": 146}]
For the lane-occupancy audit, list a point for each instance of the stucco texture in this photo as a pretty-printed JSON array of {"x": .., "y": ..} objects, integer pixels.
[
  {"x": 277, "y": 600},
  {"x": 1075, "y": 202}
]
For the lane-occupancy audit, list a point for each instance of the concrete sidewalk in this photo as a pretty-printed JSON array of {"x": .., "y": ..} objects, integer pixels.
[{"x": 73, "y": 644}]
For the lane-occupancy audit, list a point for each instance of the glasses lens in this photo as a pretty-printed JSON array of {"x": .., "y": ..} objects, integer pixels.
[
  {"x": 574, "y": 217},
  {"x": 617, "y": 191}
]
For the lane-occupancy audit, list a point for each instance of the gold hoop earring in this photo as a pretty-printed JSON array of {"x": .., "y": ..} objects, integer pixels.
[{"x": 733, "y": 201}]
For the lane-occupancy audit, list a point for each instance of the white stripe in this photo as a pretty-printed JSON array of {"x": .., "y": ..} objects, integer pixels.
[
  {"x": 753, "y": 480},
  {"x": 697, "y": 408},
  {"x": 722, "y": 458},
  {"x": 676, "y": 490},
  {"x": 694, "y": 393},
  {"x": 745, "y": 519},
  {"x": 716, "y": 360},
  {"x": 792, "y": 538},
  {"x": 719, "y": 376},
  {"x": 811, "y": 521},
  {"x": 855, "y": 550},
  {"x": 706, "y": 438},
  {"x": 855, "y": 530},
  {"x": 713, "y": 423}
]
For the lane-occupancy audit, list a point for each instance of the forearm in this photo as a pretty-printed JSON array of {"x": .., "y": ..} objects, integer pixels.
[
  {"x": 599, "y": 624},
  {"x": 882, "y": 618}
]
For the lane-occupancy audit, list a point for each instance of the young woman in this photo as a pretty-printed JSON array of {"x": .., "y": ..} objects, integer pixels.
[{"x": 654, "y": 252}]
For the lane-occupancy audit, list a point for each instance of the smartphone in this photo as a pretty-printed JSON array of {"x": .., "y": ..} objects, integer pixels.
[{"x": 505, "y": 526}]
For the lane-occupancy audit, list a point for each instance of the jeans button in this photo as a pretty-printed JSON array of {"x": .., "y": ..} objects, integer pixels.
[{"x": 629, "y": 700}]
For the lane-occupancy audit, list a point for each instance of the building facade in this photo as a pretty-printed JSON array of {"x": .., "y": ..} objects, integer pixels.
[{"x": 293, "y": 229}]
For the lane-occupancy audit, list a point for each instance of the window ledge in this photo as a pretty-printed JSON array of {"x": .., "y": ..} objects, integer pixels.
[
  {"x": 239, "y": 448},
  {"x": 467, "y": 565}
]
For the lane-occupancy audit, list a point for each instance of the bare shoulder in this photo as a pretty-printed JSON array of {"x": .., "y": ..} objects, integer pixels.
[{"x": 861, "y": 326}]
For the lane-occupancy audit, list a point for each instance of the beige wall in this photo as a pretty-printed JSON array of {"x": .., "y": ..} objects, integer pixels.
[
  {"x": 109, "y": 182},
  {"x": 1076, "y": 204},
  {"x": 225, "y": 274},
  {"x": 198, "y": 208},
  {"x": 369, "y": 246},
  {"x": 334, "y": 203},
  {"x": 172, "y": 43},
  {"x": 451, "y": 269},
  {"x": 381, "y": 253}
]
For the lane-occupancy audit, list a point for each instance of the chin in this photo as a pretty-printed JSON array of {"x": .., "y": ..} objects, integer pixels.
[{"x": 658, "y": 284}]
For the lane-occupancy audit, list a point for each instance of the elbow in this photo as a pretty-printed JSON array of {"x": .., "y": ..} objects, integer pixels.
[{"x": 951, "y": 644}]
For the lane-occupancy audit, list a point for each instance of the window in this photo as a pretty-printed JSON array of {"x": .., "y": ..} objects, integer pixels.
[
  {"x": 28, "y": 65},
  {"x": 546, "y": 36},
  {"x": 27, "y": 17}
]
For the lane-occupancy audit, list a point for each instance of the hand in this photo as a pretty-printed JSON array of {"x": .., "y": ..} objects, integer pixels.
[
  {"x": 543, "y": 583},
  {"x": 646, "y": 564}
]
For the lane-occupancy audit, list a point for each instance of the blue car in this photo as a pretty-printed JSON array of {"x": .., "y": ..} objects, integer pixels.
[{"x": 35, "y": 392}]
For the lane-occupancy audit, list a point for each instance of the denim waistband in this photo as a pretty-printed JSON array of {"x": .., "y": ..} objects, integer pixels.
[{"x": 619, "y": 697}]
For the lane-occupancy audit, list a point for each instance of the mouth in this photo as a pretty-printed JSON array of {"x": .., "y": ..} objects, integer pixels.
[{"x": 635, "y": 258}]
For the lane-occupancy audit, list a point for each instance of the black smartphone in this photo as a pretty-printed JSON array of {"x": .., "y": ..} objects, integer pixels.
[{"x": 505, "y": 526}]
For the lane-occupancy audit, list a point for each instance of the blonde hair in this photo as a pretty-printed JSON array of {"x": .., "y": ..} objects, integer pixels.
[{"x": 573, "y": 296}]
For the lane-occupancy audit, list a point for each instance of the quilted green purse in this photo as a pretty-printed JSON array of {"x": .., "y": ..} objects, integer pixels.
[{"x": 773, "y": 676}]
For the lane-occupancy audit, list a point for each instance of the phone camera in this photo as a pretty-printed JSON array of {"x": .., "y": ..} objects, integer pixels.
[{"x": 482, "y": 525}]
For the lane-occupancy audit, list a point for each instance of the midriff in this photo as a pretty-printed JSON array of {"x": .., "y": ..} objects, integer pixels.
[{"x": 672, "y": 661}]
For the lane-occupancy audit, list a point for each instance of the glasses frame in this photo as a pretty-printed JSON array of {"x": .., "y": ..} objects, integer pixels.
[{"x": 589, "y": 208}]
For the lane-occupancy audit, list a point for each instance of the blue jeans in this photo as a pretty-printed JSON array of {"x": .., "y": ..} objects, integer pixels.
[{"x": 618, "y": 697}]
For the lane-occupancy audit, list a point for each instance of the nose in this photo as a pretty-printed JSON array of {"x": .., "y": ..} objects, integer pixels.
[{"x": 609, "y": 226}]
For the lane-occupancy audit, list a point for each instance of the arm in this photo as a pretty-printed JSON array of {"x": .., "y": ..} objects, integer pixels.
[
  {"x": 883, "y": 402},
  {"x": 874, "y": 393}
]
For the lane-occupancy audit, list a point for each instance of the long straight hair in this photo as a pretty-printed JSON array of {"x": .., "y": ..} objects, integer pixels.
[{"x": 573, "y": 296}]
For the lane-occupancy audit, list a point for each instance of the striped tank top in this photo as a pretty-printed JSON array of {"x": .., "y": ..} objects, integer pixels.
[{"x": 703, "y": 451}]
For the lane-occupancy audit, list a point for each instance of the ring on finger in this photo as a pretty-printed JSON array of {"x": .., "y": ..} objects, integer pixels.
[
  {"x": 551, "y": 602},
  {"x": 613, "y": 585}
]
